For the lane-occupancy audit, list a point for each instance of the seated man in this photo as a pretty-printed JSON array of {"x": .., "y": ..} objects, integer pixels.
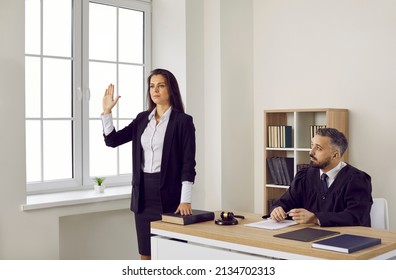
[{"x": 342, "y": 198}]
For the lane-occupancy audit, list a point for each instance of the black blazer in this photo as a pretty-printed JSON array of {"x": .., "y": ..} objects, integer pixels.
[{"x": 178, "y": 158}]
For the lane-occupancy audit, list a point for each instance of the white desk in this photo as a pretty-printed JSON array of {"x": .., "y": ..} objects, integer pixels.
[{"x": 209, "y": 241}]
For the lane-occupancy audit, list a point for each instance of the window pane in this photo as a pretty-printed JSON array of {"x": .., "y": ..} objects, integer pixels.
[
  {"x": 33, "y": 151},
  {"x": 32, "y": 87},
  {"x": 57, "y": 79},
  {"x": 57, "y": 27},
  {"x": 64, "y": 134},
  {"x": 131, "y": 90},
  {"x": 102, "y": 32},
  {"x": 131, "y": 36},
  {"x": 100, "y": 76},
  {"x": 103, "y": 160},
  {"x": 32, "y": 26},
  {"x": 58, "y": 155},
  {"x": 125, "y": 153}
]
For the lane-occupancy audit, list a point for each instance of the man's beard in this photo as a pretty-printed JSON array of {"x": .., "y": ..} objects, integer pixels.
[{"x": 321, "y": 165}]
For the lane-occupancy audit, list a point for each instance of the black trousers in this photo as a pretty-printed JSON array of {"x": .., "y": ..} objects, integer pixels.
[{"x": 152, "y": 210}]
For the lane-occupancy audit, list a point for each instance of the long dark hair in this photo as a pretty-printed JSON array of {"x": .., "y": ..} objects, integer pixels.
[{"x": 174, "y": 91}]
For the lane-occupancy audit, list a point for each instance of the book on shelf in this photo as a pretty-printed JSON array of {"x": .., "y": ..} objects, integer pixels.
[
  {"x": 288, "y": 169},
  {"x": 281, "y": 170},
  {"x": 272, "y": 171},
  {"x": 306, "y": 234},
  {"x": 197, "y": 216},
  {"x": 287, "y": 140},
  {"x": 271, "y": 136},
  {"x": 346, "y": 243},
  {"x": 314, "y": 128},
  {"x": 280, "y": 136}
]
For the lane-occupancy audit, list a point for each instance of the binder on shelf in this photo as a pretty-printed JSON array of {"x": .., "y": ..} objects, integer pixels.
[
  {"x": 288, "y": 169},
  {"x": 288, "y": 136},
  {"x": 279, "y": 170},
  {"x": 346, "y": 243},
  {"x": 280, "y": 136},
  {"x": 271, "y": 168},
  {"x": 272, "y": 135}
]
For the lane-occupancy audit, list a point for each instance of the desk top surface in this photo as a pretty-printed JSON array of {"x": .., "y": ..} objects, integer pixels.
[{"x": 263, "y": 238}]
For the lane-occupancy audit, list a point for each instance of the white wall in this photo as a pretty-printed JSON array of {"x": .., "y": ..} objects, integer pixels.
[
  {"x": 237, "y": 104},
  {"x": 107, "y": 235},
  {"x": 219, "y": 91},
  {"x": 169, "y": 38},
  {"x": 341, "y": 53}
]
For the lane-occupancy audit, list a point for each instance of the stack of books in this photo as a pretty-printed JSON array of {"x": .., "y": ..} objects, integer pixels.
[
  {"x": 281, "y": 170},
  {"x": 280, "y": 136}
]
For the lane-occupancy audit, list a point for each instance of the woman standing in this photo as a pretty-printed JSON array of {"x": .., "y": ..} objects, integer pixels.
[{"x": 163, "y": 153}]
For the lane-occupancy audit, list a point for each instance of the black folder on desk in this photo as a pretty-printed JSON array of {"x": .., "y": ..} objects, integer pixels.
[{"x": 306, "y": 234}]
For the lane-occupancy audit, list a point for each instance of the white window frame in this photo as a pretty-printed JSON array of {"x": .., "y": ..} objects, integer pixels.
[{"x": 81, "y": 178}]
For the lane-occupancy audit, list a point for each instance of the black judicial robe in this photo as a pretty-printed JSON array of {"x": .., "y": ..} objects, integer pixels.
[{"x": 347, "y": 202}]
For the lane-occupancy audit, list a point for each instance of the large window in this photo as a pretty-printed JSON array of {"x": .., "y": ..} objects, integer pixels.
[{"x": 74, "y": 49}]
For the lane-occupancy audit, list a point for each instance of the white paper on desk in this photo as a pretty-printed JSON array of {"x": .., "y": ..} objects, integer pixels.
[{"x": 272, "y": 224}]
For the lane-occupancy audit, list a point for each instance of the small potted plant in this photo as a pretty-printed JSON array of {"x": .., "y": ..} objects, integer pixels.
[{"x": 99, "y": 186}]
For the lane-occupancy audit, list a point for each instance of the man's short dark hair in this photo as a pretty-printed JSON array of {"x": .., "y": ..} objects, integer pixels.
[{"x": 337, "y": 138}]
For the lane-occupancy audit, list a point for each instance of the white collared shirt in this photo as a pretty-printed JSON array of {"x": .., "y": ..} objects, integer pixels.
[
  {"x": 332, "y": 174},
  {"x": 152, "y": 141}
]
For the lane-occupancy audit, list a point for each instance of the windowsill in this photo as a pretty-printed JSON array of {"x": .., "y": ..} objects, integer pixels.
[{"x": 41, "y": 201}]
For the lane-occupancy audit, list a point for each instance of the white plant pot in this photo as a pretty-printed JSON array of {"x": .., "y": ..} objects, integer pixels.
[{"x": 99, "y": 189}]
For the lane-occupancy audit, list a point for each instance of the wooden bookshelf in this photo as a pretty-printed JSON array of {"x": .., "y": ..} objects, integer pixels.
[{"x": 301, "y": 121}]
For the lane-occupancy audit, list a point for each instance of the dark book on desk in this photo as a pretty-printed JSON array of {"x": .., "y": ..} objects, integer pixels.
[
  {"x": 196, "y": 217},
  {"x": 306, "y": 234},
  {"x": 346, "y": 243}
]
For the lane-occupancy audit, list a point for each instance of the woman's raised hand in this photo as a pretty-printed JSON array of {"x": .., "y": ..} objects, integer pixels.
[{"x": 108, "y": 101}]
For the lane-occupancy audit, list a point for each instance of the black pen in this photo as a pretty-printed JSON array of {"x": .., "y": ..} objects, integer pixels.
[{"x": 269, "y": 216}]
